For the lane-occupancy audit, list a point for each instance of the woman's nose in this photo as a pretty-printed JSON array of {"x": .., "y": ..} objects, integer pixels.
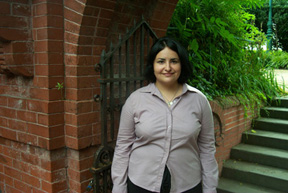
[{"x": 167, "y": 66}]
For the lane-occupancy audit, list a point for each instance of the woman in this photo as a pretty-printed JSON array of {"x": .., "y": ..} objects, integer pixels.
[{"x": 166, "y": 134}]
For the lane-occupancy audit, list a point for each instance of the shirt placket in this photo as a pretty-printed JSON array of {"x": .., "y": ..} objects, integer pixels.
[{"x": 167, "y": 144}]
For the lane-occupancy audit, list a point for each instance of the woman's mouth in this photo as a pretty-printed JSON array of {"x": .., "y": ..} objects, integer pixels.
[{"x": 167, "y": 74}]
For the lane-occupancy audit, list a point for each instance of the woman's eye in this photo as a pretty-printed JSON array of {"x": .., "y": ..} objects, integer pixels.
[{"x": 161, "y": 62}]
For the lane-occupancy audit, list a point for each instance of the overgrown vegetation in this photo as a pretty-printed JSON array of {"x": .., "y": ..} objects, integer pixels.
[
  {"x": 279, "y": 18},
  {"x": 219, "y": 36},
  {"x": 276, "y": 60}
]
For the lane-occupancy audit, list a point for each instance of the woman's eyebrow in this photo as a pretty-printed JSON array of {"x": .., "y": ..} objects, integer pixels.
[{"x": 168, "y": 58}]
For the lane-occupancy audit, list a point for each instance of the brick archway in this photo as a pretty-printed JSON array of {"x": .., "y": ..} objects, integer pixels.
[
  {"x": 49, "y": 136},
  {"x": 101, "y": 24}
]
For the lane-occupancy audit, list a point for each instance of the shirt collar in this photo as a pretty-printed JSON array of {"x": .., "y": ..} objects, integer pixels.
[{"x": 151, "y": 88}]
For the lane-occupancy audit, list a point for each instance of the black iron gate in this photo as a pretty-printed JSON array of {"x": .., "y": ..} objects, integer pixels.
[{"x": 121, "y": 69}]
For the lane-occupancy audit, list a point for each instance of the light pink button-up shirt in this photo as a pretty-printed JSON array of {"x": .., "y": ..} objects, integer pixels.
[{"x": 152, "y": 135}]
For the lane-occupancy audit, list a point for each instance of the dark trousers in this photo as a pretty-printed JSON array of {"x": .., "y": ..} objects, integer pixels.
[{"x": 165, "y": 186}]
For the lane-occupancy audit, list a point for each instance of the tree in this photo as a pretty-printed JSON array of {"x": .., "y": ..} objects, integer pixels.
[
  {"x": 280, "y": 22},
  {"x": 219, "y": 35}
]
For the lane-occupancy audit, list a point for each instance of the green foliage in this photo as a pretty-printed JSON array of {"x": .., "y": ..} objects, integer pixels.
[
  {"x": 60, "y": 86},
  {"x": 276, "y": 60},
  {"x": 219, "y": 35},
  {"x": 280, "y": 24}
]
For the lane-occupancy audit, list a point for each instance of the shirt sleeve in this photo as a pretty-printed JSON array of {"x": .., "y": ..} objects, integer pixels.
[
  {"x": 125, "y": 139},
  {"x": 206, "y": 143}
]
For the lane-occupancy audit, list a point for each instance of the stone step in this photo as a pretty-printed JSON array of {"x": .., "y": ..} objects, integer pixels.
[
  {"x": 280, "y": 102},
  {"x": 261, "y": 155},
  {"x": 266, "y": 139},
  {"x": 274, "y": 112},
  {"x": 253, "y": 173},
  {"x": 260, "y": 163},
  {"x": 231, "y": 186},
  {"x": 269, "y": 124}
]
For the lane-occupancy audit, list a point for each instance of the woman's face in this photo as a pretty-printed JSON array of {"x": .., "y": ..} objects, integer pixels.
[{"x": 167, "y": 67}]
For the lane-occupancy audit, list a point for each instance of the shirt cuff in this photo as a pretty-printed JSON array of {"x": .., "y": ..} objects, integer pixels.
[{"x": 119, "y": 189}]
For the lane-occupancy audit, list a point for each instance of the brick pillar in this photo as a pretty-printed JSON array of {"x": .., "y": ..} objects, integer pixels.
[
  {"x": 33, "y": 157},
  {"x": 47, "y": 100},
  {"x": 85, "y": 38}
]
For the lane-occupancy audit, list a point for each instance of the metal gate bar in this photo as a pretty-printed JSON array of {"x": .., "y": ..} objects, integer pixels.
[{"x": 117, "y": 80}]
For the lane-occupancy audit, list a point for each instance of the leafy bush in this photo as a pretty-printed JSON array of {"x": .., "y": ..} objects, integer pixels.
[
  {"x": 280, "y": 24},
  {"x": 219, "y": 36},
  {"x": 276, "y": 60}
]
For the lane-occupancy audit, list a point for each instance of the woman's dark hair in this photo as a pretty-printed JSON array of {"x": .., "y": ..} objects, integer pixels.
[{"x": 158, "y": 46}]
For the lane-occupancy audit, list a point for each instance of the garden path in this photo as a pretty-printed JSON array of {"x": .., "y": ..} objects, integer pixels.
[{"x": 282, "y": 77}]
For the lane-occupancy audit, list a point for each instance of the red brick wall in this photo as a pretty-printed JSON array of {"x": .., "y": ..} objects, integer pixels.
[
  {"x": 16, "y": 38},
  {"x": 27, "y": 168},
  {"x": 230, "y": 121},
  {"x": 48, "y": 137}
]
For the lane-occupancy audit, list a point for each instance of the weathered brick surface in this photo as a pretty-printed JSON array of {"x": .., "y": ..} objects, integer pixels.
[
  {"x": 229, "y": 123},
  {"x": 15, "y": 38},
  {"x": 48, "y": 137}
]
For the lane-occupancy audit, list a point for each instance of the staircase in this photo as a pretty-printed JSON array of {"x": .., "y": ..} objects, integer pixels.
[{"x": 260, "y": 163}]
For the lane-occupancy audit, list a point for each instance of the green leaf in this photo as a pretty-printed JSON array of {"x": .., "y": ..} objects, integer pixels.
[
  {"x": 212, "y": 19},
  {"x": 59, "y": 86},
  {"x": 220, "y": 23},
  {"x": 194, "y": 45}
]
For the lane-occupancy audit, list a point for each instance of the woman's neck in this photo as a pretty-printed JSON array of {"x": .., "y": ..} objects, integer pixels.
[
  {"x": 169, "y": 92},
  {"x": 167, "y": 88}
]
